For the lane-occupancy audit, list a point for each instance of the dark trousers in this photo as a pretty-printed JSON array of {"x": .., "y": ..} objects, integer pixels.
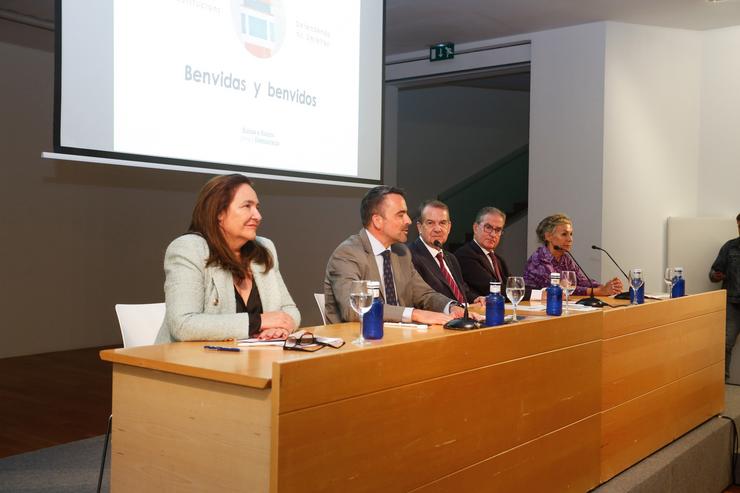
[{"x": 732, "y": 328}]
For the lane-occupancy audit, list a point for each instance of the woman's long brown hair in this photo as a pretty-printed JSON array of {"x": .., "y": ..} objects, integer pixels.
[{"x": 213, "y": 199}]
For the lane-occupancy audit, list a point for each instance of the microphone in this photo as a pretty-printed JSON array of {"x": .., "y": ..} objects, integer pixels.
[
  {"x": 621, "y": 296},
  {"x": 464, "y": 322},
  {"x": 591, "y": 300}
]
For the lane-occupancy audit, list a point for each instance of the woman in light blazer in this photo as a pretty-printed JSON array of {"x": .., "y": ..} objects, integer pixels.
[{"x": 222, "y": 281}]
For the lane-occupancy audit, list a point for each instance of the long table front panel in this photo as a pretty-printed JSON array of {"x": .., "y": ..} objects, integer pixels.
[{"x": 567, "y": 401}]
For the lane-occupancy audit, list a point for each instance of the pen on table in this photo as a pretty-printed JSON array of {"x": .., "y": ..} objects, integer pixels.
[{"x": 222, "y": 348}]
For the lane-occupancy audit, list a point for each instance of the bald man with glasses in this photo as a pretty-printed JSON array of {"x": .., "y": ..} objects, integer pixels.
[{"x": 478, "y": 260}]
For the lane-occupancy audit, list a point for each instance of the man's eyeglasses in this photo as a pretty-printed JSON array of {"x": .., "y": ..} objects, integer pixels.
[
  {"x": 491, "y": 230},
  {"x": 306, "y": 341}
]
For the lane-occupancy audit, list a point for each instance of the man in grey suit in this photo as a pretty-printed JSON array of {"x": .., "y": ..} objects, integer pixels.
[{"x": 378, "y": 253}]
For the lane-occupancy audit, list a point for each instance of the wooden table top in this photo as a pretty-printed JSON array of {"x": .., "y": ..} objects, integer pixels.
[{"x": 252, "y": 366}]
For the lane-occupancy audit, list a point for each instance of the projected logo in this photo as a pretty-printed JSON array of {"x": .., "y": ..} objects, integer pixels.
[{"x": 260, "y": 25}]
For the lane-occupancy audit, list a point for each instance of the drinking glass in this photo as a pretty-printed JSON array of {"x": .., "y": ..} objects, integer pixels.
[
  {"x": 360, "y": 299},
  {"x": 515, "y": 292},
  {"x": 636, "y": 281},
  {"x": 668, "y": 279},
  {"x": 568, "y": 283}
]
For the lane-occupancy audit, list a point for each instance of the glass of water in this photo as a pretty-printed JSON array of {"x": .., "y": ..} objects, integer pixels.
[
  {"x": 515, "y": 292},
  {"x": 360, "y": 299},
  {"x": 568, "y": 283},
  {"x": 636, "y": 281},
  {"x": 668, "y": 279}
]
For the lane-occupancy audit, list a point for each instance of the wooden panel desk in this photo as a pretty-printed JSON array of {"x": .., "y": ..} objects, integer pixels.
[
  {"x": 662, "y": 375},
  {"x": 423, "y": 411}
]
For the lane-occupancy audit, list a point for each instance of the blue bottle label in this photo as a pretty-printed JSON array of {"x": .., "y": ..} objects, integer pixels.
[
  {"x": 372, "y": 321},
  {"x": 554, "y": 300},
  {"x": 679, "y": 287},
  {"x": 494, "y": 309},
  {"x": 640, "y": 295}
]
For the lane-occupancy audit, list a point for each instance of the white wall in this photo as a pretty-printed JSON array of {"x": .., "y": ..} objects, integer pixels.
[
  {"x": 566, "y": 134},
  {"x": 693, "y": 243},
  {"x": 651, "y": 142},
  {"x": 620, "y": 112},
  {"x": 719, "y": 166}
]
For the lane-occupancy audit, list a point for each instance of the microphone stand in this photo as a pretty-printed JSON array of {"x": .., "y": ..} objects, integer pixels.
[
  {"x": 626, "y": 294},
  {"x": 464, "y": 322},
  {"x": 591, "y": 300}
]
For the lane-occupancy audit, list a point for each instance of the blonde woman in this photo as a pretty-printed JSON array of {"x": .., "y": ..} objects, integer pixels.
[{"x": 557, "y": 231}]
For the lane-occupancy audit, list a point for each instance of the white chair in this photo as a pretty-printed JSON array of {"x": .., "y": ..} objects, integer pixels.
[
  {"x": 320, "y": 300},
  {"x": 139, "y": 327},
  {"x": 140, "y": 323}
]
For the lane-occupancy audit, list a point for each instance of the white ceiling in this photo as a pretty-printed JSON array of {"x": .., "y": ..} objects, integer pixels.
[{"x": 415, "y": 24}]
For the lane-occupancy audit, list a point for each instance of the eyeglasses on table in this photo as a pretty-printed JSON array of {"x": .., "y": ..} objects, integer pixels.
[{"x": 307, "y": 341}]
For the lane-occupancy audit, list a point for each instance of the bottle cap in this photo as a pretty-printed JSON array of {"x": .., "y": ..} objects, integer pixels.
[
  {"x": 495, "y": 287},
  {"x": 554, "y": 275},
  {"x": 678, "y": 269},
  {"x": 637, "y": 271}
]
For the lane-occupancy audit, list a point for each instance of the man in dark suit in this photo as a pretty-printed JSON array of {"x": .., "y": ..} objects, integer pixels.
[
  {"x": 378, "y": 253},
  {"x": 438, "y": 267},
  {"x": 479, "y": 263}
]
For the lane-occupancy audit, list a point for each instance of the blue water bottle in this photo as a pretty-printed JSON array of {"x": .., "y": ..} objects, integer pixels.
[
  {"x": 679, "y": 283},
  {"x": 640, "y": 292},
  {"x": 372, "y": 321},
  {"x": 554, "y": 296},
  {"x": 494, "y": 305}
]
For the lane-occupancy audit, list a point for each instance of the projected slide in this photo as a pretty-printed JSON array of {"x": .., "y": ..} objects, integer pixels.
[{"x": 260, "y": 83}]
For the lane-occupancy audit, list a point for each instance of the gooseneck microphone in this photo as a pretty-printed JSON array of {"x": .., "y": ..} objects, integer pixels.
[
  {"x": 464, "y": 322},
  {"x": 591, "y": 300},
  {"x": 621, "y": 296}
]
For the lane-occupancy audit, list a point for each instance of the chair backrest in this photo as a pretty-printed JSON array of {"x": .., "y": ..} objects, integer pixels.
[
  {"x": 140, "y": 323},
  {"x": 320, "y": 301}
]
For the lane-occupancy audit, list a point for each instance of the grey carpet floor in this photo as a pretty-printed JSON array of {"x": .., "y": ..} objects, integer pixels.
[{"x": 72, "y": 467}]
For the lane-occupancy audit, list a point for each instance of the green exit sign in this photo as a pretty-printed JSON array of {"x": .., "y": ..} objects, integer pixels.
[{"x": 441, "y": 51}]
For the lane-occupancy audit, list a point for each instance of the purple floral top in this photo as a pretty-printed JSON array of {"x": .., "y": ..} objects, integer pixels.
[{"x": 542, "y": 263}]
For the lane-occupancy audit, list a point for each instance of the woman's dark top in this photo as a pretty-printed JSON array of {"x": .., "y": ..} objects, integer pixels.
[{"x": 253, "y": 308}]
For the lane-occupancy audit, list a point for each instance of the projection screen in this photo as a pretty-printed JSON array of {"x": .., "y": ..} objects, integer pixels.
[{"x": 285, "y": 88}]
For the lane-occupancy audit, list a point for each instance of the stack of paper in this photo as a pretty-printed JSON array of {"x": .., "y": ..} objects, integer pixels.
[
  {"x": 526, "y": 308},
  {"x": 259, "y": 342}
]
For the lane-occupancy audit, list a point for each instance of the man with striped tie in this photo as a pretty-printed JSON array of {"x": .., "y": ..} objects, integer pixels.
[
  {"x": 378, "y": 253},
  {"x": 438, "y": 267}
]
